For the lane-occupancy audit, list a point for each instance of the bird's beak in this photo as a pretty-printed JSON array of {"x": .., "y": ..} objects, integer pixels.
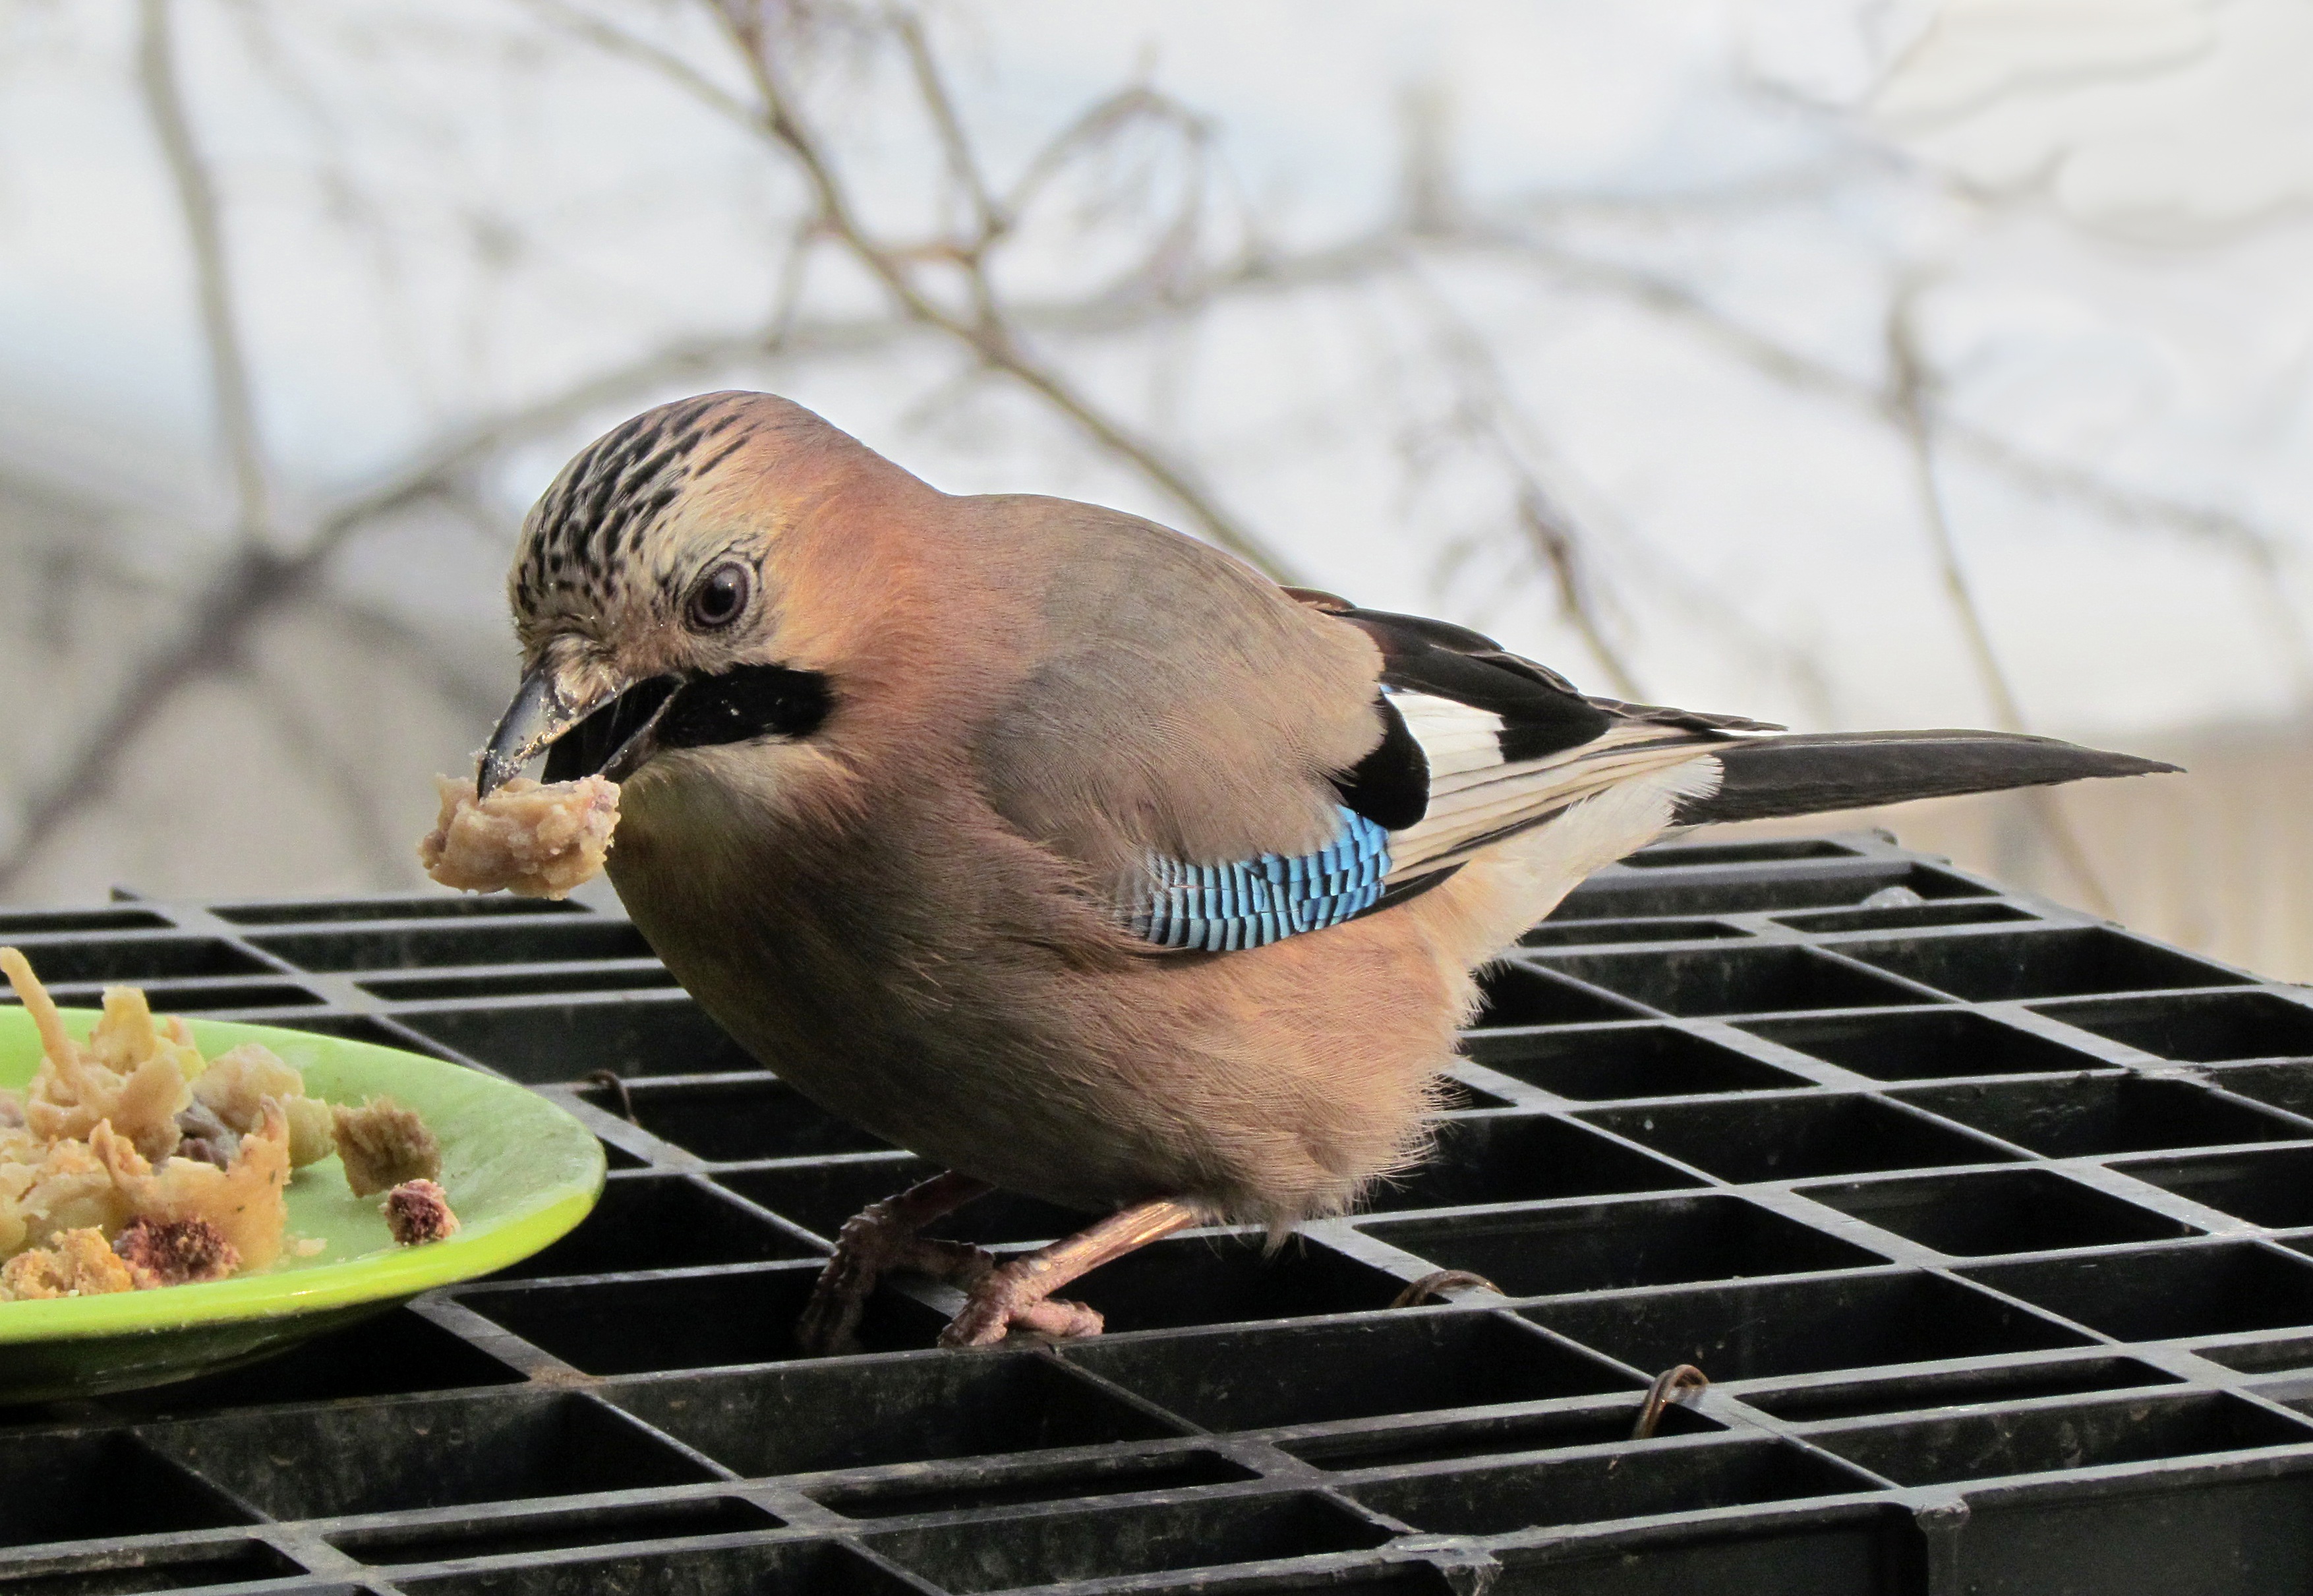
[
  {"x": 617, "y": 719},
  {"x": 543, "y": 708}
]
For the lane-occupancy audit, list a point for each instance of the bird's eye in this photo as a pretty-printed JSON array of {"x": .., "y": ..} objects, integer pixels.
[{"x": 720, "y": 595}]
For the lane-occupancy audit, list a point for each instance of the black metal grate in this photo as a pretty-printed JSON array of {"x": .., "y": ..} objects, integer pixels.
[{"x": 1988, "y": 1223}]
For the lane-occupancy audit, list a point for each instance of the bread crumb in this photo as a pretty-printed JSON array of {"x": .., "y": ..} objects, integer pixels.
[
  {"x": 130, "y": 1162},
  {"x": 384, "y": 1144},
  {"x": 49, "y": 1188},
  {"x": 128, "y": 1072},
  {"x": 419, "y": 1211},
  {"x": 234, "y": 1087},
  {"x": 533, "y": 841},
  {"x": 246, "y": 1202},
  {"x": 82, "y": 1264},
  {"x": 175, "y": 1251}
]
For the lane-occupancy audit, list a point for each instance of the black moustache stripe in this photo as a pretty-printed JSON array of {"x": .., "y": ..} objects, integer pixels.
[
  {"x": 742, "y": 704},
  {"x": 736, "y": 706}
]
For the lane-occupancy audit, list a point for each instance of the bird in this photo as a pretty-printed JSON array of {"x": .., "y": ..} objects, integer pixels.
[{"x": 1075, "y": 854}]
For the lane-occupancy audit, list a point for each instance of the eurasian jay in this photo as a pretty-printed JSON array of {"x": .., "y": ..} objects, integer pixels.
[{"x": 1070, "y": 852}]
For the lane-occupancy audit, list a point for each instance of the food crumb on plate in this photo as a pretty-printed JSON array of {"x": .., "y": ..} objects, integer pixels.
[
  {"x": 132, "y": 1162},
  {"x": 419, "y": 1211},
  {"x": 173, "y": 1252},
  {"x": 384, "y": 1143},
  {"x": 80, "y": 1264}
]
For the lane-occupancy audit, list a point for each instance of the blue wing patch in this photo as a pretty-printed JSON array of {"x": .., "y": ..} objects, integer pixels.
[{"x": 1255, "y": 902}]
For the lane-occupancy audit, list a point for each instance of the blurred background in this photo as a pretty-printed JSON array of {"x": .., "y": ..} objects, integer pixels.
[{"x": 1846, "y": 363}]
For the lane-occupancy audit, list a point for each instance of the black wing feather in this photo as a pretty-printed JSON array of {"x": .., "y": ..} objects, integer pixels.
[
  {"x": 1542, "y": 712},
  {"x": 1390, "y": 786}
]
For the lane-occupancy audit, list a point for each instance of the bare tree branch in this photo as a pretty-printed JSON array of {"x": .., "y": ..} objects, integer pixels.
[
  {"x": 164, "y": 104},
  {"x": 1551, "y": 533},
  {"x": 253, "y": 582},
  {"x": 409, "y": 650},
  {"x": 2262, "y": 550},
  {"x": 1508, "y": 433},
  {"x": 2263, "y": 553},
  {"x": 989, "y": 335},
  {"x": 1907, "y": 387},
  {"x": 993, "y": 341},
  {"x": 1097, "y": 123},
  {"x": 257, "y": 581},
  {"x": 247, "y": 589},
  {"x": 988, "y": 220},
  {"x": 309, "y": 743}
]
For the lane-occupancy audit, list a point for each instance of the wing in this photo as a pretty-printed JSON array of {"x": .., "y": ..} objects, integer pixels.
[
  {"x": 1478, "y": 744},
  {"x": 1493, "y": 744},
  {"x": 1162, "y": 709}
]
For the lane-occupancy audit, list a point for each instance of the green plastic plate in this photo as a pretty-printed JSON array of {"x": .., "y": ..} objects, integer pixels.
[{"x": 519, "y": 1172}]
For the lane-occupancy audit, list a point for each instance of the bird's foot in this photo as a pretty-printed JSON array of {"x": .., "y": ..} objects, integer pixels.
[
  {"x": 1018, "y": 1293},
  {"x": 1007, "y": 1297},
  {"x": 867, "y": 1246},
  {"x": 881, "y": 1238}
]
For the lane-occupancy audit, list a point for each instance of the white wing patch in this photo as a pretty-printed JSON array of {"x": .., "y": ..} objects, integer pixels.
[
  {"x": 1475, "y": 795},
  {"x": 1454, "y": 738}
]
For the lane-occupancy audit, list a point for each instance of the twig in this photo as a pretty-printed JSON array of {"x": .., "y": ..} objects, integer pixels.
[
  {"x": 989, "y": 220},
  {"x": 1907, "y": 383},
  {"x": 990, "y": 335},
  {"x": 1171, "y": 287},
  {"x": 613, "y": 1082},
  {"x": 2263, "y": 550},
  {"x": 257, "y": 577},
  {"x": 1552, "y": 533},
  {"x": 1908, "y": 380},
  {"x": 1098, "y": 120},
  {"x": 1675, "y": 1384},
  {"x": 156, "y": 72},
  {"x": 255, "y": 581},
  {"x": 2263, "y": 553},
  {"x": 472, "y": 699},
  {"x": 1513, "y": 438},
  {"x": 251, "y": 585},
  {"x": 309, "y": 742},
  {"x": 1439, "y": 1282},
  {"x": 993, "y": 342}
]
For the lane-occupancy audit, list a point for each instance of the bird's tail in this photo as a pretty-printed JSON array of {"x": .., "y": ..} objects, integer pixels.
[{"x": 1808, "y": 773}]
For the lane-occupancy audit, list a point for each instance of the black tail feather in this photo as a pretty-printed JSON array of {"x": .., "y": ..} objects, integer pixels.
[{"x": 1808, "y": 773}]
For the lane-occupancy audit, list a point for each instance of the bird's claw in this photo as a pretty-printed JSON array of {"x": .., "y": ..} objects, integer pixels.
[
  {"x": 1005, "y": 1298},
  {"x": 872, "y": 1243},
  {"x": 864, "y": 1250}
]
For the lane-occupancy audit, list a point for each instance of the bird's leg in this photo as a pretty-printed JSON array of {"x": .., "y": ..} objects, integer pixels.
[
  {"x": 882, "y": 1236},
  {"x": 1019, "y": 1293}
]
